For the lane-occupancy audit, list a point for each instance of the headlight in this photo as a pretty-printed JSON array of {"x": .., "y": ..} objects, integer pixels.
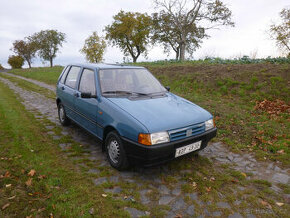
[
  {"x": 209, "y": 124},
  {"x": 153, "y": 138}
]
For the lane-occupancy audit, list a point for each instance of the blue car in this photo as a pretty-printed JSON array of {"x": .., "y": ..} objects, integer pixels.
[{"x": 137, "y": 119}]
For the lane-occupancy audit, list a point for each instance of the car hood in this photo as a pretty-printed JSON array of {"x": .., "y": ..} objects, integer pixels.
[{"x": 163, "y": 113}]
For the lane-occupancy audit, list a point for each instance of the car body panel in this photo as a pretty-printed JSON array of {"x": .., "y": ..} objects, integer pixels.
[{"x": 163, "y": 113}]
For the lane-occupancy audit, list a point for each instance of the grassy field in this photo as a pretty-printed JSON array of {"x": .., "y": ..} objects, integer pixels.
[
  {"x": 35, "y": 177},
  {"x": 38, "y": 179},
  {"x": 249, "y": 101}
]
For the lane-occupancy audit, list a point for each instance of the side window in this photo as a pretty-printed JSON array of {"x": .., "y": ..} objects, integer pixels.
[
  {"x": 64, "y": 74},
  {"x": 71, "y": 79},
  {"x": 87, "y": 83}
]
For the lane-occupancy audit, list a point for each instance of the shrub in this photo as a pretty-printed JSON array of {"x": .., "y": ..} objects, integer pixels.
[
  {"x": 1, "y": 67},
  {"x": 15, "y": 61}
]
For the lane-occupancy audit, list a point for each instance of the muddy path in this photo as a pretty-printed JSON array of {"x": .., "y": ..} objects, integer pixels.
[{"x": 150, "y": 180}]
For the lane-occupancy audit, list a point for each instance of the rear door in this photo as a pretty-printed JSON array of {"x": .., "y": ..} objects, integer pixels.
[
  {"x": 87, "y": 108},
  {"x": 69, "y": 91}
]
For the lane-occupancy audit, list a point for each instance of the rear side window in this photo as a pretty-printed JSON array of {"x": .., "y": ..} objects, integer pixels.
[
  {"x": 71, "y": 79},
  {"x": 87, "y": 83},
  {"x": 64, "y": 75}
]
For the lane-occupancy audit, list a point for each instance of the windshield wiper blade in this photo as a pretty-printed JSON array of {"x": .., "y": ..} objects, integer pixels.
[{"x": 124, "y": 92}]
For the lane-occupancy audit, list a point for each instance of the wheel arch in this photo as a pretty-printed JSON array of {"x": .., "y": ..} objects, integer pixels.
[{"x": 106, "y": 131}]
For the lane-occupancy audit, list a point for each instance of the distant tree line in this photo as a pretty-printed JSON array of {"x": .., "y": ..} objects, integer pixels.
[
  {"x": 178, "y": 25},
  {"x": 45, "y": 44}
]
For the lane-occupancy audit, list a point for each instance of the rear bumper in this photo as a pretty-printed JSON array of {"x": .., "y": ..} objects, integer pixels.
[{"x": 156, "y": 154}]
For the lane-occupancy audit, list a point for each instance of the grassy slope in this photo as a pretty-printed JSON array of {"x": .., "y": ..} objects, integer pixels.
[
  {"x": 230, "y": 92},
  {"x": 48, "y": 75},
  {"x": 57, "y": 187}
]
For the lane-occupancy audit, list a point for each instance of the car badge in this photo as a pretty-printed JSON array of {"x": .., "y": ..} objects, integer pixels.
[{"x": 188, "y": 132}]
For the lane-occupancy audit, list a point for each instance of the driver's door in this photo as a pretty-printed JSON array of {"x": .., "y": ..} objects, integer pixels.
[{"x": 86, "y": 108}]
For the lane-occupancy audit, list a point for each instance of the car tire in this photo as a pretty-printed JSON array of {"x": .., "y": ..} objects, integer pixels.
[
  {"x": 63, "y": 119},
  {"x": 115, "y": 151}
]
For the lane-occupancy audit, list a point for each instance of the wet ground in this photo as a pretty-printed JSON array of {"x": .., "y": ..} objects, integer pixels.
[{"x": 148, "y": 182}]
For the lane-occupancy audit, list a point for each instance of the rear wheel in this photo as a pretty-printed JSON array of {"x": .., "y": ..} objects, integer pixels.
[
  {"x": 115, "y": 151},
  {"x": 63, "y": 119}
]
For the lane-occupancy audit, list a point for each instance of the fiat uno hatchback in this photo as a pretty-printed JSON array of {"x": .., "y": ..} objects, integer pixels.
[{"x": 138, "y": 120}]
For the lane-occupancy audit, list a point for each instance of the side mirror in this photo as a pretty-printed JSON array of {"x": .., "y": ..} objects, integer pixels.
[
  {"x": 167, "y": 88},
  {"x": 87, "y": 95}
]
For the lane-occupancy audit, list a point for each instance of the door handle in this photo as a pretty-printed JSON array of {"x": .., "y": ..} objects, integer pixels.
[
  {"x": 62, "y": 88},
  {"x": 77, "y": 95}
]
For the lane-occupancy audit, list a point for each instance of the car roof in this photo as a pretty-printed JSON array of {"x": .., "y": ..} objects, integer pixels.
[{"x": 101, "y": 66}]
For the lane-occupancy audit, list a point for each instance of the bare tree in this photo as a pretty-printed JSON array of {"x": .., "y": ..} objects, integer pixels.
[{"x": 188, "y": 22}]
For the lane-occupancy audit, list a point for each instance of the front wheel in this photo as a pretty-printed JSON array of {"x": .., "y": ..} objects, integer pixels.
[
  {"x": 63, "y": 119},
  {"x": 115, "y": 151}
]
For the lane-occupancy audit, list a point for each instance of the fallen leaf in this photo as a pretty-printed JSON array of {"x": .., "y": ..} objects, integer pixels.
[
  {"x": 29, "y": 182},
  {"x": 50, "y": 215},
  {"x": 208, "y": 189},
  {"x": 194, "y": 184},
  {"x": 265, "y": 203},
  {"x": 8, "y": 185},
  {"x": 104, "y": 195},
  {"x": 22, "y": 171},
  {"x": 281, "y": 151},
  {"x": 41, "y": 210},
  {"x": 31, "y": 173},
  {"x": 42, "y": 177},
  {"x": 7, "y": 174},
  {"x": 243, "y": 174},
  {"x": 212, "y": 179},
  {"x": 279, "y": 204},
  {"x": 178, "y": 216},
  {"x": 5, "y": 206},
  {"x": 11, "y": 197}
]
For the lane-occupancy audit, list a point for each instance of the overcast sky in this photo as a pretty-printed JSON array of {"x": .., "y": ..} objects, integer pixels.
[{"x": 79, "y": 18}]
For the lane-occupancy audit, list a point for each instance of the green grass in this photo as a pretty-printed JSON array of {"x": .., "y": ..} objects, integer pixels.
[
  {"x": 230, "y": 92},
  {"x": 68, "y": 191},
  {"x": 58, "y": 187},
  {"x": 48, "y": 75}
]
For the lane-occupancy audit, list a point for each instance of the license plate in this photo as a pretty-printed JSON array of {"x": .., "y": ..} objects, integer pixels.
[{"x": 187, "y": 149}]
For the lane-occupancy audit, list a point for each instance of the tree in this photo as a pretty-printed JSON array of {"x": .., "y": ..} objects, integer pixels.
[
  {"x": 25, "y": 48},
  {"x": 182, "y": 24},
  {"x": 15, "y": 61},
  {"x": 281, "y": 32},
  {"x": 130, "y": 32},
  {"x": 94, "y": 48},
  {"x": 48, "y": 43}
]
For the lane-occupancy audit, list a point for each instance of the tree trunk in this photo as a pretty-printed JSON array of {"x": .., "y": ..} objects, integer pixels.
[
  {"x": 134, "y": 59},
  {"x": 29, "y": 64},
  {"x": 182, "y": 51},
  {"x": 177, "y": 54},
  {"x": 51, "y": 62}
]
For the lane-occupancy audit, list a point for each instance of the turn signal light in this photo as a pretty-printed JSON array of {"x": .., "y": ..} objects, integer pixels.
[{"x": 144, "y": 139}]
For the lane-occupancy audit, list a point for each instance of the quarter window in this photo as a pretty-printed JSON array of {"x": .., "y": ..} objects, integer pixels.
[
  {"x": 64, "y": 75},
  {"x": 87, "y": 83},
  {"x": 71, "y": 79}
]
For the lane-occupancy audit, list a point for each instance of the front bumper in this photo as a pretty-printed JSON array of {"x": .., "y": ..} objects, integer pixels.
[{"x": 156, "y": 154}]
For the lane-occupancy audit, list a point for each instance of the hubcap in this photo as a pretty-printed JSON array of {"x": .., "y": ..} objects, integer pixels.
[
  {"x": 61, "y": 114},
  {"x": 114, "y": 151}
]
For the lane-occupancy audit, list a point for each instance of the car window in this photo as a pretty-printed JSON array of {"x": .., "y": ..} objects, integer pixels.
[
  {"x": 87, "y": 83},
  {"x": 64, "y": 75},
  {"x": 72, "y": 77}
]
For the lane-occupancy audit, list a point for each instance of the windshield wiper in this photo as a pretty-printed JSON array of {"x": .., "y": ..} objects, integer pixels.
[{"x": 124, "y": 92}]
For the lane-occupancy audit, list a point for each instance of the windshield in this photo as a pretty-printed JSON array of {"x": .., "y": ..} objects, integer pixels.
[{"x": 129, "y": 81}]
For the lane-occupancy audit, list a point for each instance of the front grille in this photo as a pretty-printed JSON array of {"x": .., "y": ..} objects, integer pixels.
[{"x": 193, "y": 130}]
